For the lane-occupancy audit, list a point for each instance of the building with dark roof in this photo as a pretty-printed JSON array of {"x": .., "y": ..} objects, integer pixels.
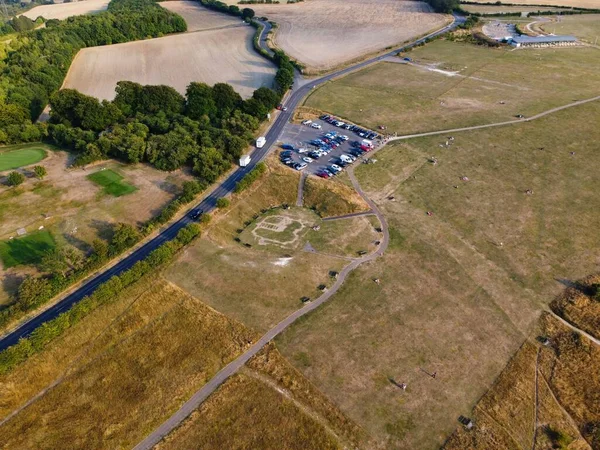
[{"x": 542, "y": 41}]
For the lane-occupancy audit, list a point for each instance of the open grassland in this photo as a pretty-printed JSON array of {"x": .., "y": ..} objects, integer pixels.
[
  {"x": 256, "y": 284},
  {"x": 592, "y": 4},
  {"x": 147, "y": 353},
  {"x": 213, "y": 56},
  {"x": 585, "y": 27},
  {"x": 112, "y": 182},
  {"x": 268, "y": 405},
  {"x": 27, "y": 249},
  {"x": 495, "y": 9},
  {"x": 461, "y": 289},
  {"x": 21, "y": 156},
  {"x": 456, "y": 85},
  {"x": 75, "y": 209},
  {"x": 199, "y": 18},
  {"x": 551, "y": 389},
  {"x": 323, "y": 34},
  {"x": 346, "y": 237},
  {"x": 63, "y": 10}
]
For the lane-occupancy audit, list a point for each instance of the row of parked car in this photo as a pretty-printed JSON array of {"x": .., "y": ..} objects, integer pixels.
[
  {"x": 367, "y": 134},
  {"x": 345, "y": 159}
]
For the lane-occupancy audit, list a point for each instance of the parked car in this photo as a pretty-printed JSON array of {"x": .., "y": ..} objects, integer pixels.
[
  {"x": 322, "y": 174},
  {"x": 335, "y": 168},
  {"x": 324, "y": 117},
  {"x": 307, "y": 122},
  {"x": 287, "y": 146},
  {"x": 300, "y": 166},
  {"x": 302, "y": 150},
  {"x": 307, "y": 159},
  {"x": 315, "y": 125}
]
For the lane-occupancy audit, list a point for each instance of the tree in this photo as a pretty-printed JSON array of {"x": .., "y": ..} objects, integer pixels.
[
  {"x": 200, "y": 101},
  {"x": 172, "y": 150},
  {"x": 124, "y": 236},
  {"x": 284, "y": 79},
  {"x": 247, "y": 13},
  {"x": 222, "y": 202},
  {"x": 33, "y": 291},
  {"x": 226, "y": 98},
  {"x": 15, "y": 178},
  {"x": 60, "y": 261},
  {"x": 210, "y": 164},
  {"x": 40, "y": 172}
]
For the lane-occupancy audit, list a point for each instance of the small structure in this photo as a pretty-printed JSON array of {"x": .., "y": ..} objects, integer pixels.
[
  {"x": 468, "y": 423},
  {"x": 244, "y": 160},
  {"x": 542, "y": 41}
]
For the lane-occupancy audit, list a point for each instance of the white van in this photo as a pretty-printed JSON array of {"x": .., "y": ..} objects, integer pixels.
[{"x": 261, "y": 141}]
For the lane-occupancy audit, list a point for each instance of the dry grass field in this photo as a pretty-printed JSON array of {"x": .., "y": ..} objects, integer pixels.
[
  {"x": 593, "y": 4},
  {"x": 577, "y": 305},
  {"x": 559, "y": 405},
  {"x": 261, "y": 284},
  {"x": 456, "y": 85},
  {"x": 269, "y": 405},
  {"x": 63, "y": 10},
  {"x": 120, "y": 372},
  {"x": 585, "y": 27},
  {"x": 212, "y": 56},
  {"x": 323, "y": 34},
  {"x": 75, "y": 209},
  {"x": 461, "y": 289},
  {"x": 331, "y": 198},
  {"x": 199, "y": 18},
  {"x": 494, "y": 9}
]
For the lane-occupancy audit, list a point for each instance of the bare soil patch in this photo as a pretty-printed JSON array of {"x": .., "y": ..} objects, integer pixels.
[
  {"x": 199, "y": 18},
  {"x": 214, "y": 56},
  {"x": 326, "y": 33},
  {"x": 63, "y": 10}
]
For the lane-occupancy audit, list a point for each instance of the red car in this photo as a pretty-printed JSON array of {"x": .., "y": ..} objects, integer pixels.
[
  {"x": 323, "y": 174},
  {"x": 365, "y": 148}
]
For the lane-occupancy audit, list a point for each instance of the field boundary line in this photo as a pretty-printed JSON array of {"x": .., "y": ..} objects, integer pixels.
[
  {"x": 536, "y": 399},
  {"x": 350, "y": 216},
  {"x": 574, "y": 328}
]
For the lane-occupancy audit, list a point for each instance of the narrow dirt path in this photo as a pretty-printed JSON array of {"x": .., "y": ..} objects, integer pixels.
[
  {"x": 574, "y": 328},
  {"x": 349, "y": 216},
  {"x": 300, "y": 197},
  {"x": 536, "y": 401}
]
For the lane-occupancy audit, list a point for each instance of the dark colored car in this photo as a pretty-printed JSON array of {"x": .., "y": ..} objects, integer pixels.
[
  {"x": 195, "y": 214},
  {"x": 287, "y": 146}
]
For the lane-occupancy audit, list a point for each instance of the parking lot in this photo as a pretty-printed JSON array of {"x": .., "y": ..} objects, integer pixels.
[{"x": 324, "y": 151}]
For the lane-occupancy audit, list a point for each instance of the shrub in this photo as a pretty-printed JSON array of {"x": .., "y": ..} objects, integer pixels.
[
  {"x": 222, "y": 202},
  {"x": 250, "y": 177},
  {"x": 15, "y": 178}
]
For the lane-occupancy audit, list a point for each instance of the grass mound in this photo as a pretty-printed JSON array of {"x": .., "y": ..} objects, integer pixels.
[
  {"x": 112, "y": 182},
  {"x": 329, "y": 198},
  {"x": 26, "y": 250},
  {"x": 13, "y": 159}
]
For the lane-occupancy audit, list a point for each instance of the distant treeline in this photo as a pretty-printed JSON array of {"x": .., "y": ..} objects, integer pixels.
[
  {"x": 443, "y": 6},
  {"x": 467, "y": 2},
  {"x": 19, "y": 24},
  {"x": 38, "y": 61}
]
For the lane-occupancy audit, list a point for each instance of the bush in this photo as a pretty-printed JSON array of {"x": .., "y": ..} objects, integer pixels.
[
  {"x": 15, "y": 179},
  {"x": 250, "y": 177},
  {"x": 40, "y": 172},
  {"x": 222, "y": 202}
]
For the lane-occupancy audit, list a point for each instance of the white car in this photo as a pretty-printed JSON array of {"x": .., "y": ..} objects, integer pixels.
[
  {"x": 300, "y": 166},
  {"x": 336, "y": 167},
  {"x": 315, "y": 125},
  {"x": 306, "y": 159},
  {"x": 344, "y": 137},
  {"x": 302, "y": 150},
  {"x": 307, "y": 122}
]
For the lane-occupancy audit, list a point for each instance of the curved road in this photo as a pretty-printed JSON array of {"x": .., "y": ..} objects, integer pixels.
[{"x": 209, "y": 202}]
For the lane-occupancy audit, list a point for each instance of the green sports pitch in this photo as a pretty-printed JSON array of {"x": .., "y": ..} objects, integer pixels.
[
  {"x": 13, "y": 159},
  {"x": 28, "y": 249},
  {"x": 112, "y": 182}
]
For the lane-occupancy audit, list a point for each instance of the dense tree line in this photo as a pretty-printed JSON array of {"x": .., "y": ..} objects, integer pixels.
[
  {"x": 39, "y": 60},
  {"x": 207, "y": 129},
  {"x": 443, "y": 6}
]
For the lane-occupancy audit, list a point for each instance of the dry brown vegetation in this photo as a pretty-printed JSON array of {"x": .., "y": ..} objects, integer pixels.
[
  {"x": 268, "y": 405},
  {"x": 326, "y": 33},
  {"x": 331, "y": 198},
  {"x": 578, "y": 306},
  {"x": 259, "y": 285},
  {"x": 120, "y": 372},
  {"x": 560, "y": 408},
  {"x": 63, "y": 10},
  {"x": 218, "y": 56}
]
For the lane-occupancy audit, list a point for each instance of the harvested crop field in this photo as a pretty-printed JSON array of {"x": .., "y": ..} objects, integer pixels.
[
  {"x": 326, "y": 33},
  {"x": 215, "y": 56},
  {"x": 63, "y": 10},
  {"x": 199, "y": 18}
]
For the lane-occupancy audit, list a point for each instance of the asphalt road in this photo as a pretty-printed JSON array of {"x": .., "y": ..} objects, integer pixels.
[{"x": 208, "y": 204}]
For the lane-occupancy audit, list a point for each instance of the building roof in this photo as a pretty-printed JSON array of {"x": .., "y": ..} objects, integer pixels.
[{"x": 523, "y": 39}]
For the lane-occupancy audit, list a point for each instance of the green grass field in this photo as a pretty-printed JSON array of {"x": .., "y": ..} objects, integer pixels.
[
  {"x": 454, "y": 84},
  {"x": 461, "y": 289},
  {"x": 585, "y": 27},
  {"x": 112, "y": 182},
  {"x": 26, "y": 250},
  {"x": 13, "y": 159}
]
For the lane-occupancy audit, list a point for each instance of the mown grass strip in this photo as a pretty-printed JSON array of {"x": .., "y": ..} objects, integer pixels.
[{"x": 112, "y": 182}]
